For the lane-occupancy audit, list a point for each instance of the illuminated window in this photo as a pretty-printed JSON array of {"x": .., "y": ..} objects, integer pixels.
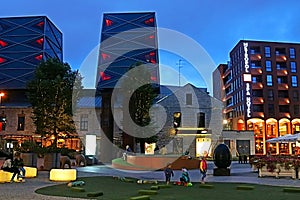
[
  {"x": 105, "y": 56},
  {"x": 2, "y": 43},
  {"x": 84, "y": 122},
  {"x": 176, "y": 119},
  {"x": 40, "y": 41},
  {"x": 104, "y": 77},
  {"x": 21, "y": 123},
  {"x": 108, "y": 22},
  {"x": 293, "y": 67},
  {"x": 267, "y": 52},
  {"x": 2, "y": 60},
  {"x": 268, "y": 66},
  {"x": 39, "y": 57},
  {"x": 269, "y": 80},
  {"x": 292, "y": 53},
  {"x": 149, "y": 21},
  {"x": 294, "y": 81}
]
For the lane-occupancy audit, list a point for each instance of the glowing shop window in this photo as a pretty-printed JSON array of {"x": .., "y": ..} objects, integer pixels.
[{"x": 90, "y": 144}]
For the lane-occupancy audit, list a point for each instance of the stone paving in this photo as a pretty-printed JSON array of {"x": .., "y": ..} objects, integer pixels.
[{"x": 239, "y": 173}]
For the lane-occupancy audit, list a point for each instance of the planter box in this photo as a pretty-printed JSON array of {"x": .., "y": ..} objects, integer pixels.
[{"x": 278, "y": 172}]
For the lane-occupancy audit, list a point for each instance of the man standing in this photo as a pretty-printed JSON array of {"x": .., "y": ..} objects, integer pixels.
[{"x": 203, "y": 169}]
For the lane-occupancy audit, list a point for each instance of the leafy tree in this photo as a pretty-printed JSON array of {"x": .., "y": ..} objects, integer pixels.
[
  {"x": 140, "y": 102},
  {"x": 51, "y": 93}
]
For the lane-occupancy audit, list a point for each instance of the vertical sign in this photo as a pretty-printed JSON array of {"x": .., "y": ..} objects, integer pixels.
[{"x": 247, "y": 80}]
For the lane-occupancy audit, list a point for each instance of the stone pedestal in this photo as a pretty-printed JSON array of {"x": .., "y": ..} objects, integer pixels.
[{"x": 221, "y": 172}]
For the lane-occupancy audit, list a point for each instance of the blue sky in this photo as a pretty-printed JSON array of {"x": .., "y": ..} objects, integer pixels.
[{"x": 215, "y": 25}]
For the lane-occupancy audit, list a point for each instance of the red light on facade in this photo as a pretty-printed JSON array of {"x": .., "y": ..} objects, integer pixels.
[
  {"x": 40, "y": 41},
  {"x": 41, "y": 24},
  {"x": 153, "y": 61},
  {"x": 153, "y": 78},
  {"x": 39, "y": 57},
  {"x": 108, "y": 22},
  {"x": 2, "y": 60},
  {"x": 149, "y": 21},
  {"x": 105, "y": 56},
  {"x": 152, "y": 54},
  {"x": 151, "y": 37},
  {"x": 2, "y": 43},
  {"x": 104, "y": 77}
]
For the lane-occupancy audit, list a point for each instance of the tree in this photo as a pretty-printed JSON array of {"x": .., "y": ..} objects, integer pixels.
[
  {"x": 51, "y": 93},
  {"x": 140, "y": 102}
]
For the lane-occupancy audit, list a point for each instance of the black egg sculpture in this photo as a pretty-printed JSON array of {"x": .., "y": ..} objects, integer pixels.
[{"x": 222, "y": 156}]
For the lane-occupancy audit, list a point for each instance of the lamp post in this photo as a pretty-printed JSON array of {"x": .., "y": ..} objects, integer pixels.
[
  {"x": 179, "y": 67},
  {"x": 1, "y": 95}
]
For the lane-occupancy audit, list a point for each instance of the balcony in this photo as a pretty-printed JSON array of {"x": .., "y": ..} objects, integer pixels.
[
  {"x": 281, "y": 58},
  {"x": 283, "y": 86},
  {"x": 258, "y": 114},
  {"x": 282, "y": 72},
  {"x": 256, "y": 71},
  {"x": 283, "y": 101},
  {"x": 257, "y": 100},
  {"x": 257, "y": 86},
  {"x": 255, "y": 56}
]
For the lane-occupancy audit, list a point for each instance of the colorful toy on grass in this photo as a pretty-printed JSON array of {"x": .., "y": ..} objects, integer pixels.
[{"x": 76, "y": 183}]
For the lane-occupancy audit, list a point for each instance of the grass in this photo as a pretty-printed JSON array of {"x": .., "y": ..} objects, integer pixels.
[{"x": 114, "y": 189}]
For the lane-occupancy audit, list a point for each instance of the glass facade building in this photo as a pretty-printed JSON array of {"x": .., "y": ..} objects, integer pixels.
[
  {"x": 24, "y": 43},
  {"x": 127, "y": 39}
]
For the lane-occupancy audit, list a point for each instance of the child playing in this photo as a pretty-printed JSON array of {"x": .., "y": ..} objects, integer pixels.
[
  {"x": 203, "y": 169},
  {"x": 185, "y": 178},
  {"x": 168, "y": 173}
]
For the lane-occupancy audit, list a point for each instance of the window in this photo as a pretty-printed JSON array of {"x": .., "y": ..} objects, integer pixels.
[
  {"x": 283, "y": 94},
  {"x": 201, "y": 120},
  {"x": 294, "y": 81},
  {"x": 267, "y": 52},
  {"x": 293, "y": 66},
  {"x": 188, "y": 99},
  {"x": 257, "y": 93},
  {"x": 284, "y": 108},
  {"x": 269, "y": 80},
  {"x": 176, "y": 119},
  {"x": 292, "y": 53},
  {"x": 258, "y": 108},
  {"x": 271, "y": 108},
  {"x": 296, "y": 109},
  {"x": 295, "y": 95},
  {"x": 270, "y": 95},
  {"x": 21, "y": 123},
  {"x": 268, "y": 66},
  {"x": 84, "y": 122},
  {"x": 281, "y": 79},
  {"x": 2, "y": 123}
]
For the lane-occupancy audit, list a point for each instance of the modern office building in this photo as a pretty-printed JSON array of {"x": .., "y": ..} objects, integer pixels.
[{"x": 260, "y": 91}]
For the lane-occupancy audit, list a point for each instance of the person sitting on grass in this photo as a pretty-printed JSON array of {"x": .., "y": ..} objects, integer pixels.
[{"x": 185, "y": 178}]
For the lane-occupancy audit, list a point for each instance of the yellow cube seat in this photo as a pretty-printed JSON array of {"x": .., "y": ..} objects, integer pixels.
[
  {"x": 6, "y": 176},
  {"x": 30, "y": 172},
  {"x": 63, "y": 175}
]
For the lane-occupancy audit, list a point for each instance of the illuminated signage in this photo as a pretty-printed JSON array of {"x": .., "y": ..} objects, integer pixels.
[{"x": 247, "y": 79}]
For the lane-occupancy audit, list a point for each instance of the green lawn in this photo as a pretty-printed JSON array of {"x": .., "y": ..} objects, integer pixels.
[{"x": 114, "y": 189}]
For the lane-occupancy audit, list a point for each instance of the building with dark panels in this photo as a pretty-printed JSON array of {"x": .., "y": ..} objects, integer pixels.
[
  {"x": 127, "y": 40},
  {"x": 24, "y": 43},
  {"x": 260, "y": 91}
]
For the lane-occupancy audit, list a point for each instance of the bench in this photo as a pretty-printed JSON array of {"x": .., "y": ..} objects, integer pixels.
[
  {"x": 30, "y": 172},
  {"x": 63, "y": 175},
  {"x": 6, "y": 176}
]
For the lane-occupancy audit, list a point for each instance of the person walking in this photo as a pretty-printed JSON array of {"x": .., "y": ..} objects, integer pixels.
[
  {"x": 168, "y": 173},
  {"x": 203, "y": 169}
]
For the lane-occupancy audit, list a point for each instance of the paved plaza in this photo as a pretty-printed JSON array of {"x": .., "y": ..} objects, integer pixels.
[{"x": 239, "y": 173}]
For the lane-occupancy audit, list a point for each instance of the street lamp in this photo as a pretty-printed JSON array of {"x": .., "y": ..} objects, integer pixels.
[{"x": 1, "y": 95}]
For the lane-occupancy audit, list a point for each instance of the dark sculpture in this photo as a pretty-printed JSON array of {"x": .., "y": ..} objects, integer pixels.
[{"x": 222, "y": 159}]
